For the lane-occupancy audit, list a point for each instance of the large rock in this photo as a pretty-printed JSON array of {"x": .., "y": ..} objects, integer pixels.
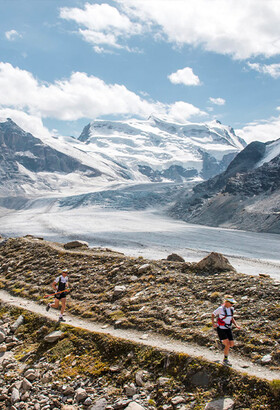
[
  {"x": 15, "y": 396},
  {"x": 81, "y": 394},
  {"x": 76, "y": 244},
  {"x": 175, "y": 258},
  {"x": 214, "y": 262},
  {"x": 100, "y": 404},
  {"x": 2, "y": 336},
  {"x": 31, "y": 374},
  {"x": 17, "y": 323},
  {"x": 134, "y": 406},
  {"x": 144, "y": 268},
  {"x": 200, "y": 379},
  {"x": 53, "y": 337},
  {"x": 119, "y": 290},
  {"x": 225, "y": 403}
]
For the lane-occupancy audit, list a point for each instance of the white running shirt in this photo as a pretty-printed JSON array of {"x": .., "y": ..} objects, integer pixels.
[{"x": 221, "y": 313}]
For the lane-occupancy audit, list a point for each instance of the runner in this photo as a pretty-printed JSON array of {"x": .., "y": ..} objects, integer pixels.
[
  {"x": 60, "y": 284},
  {"x": 224, "y": 324}
]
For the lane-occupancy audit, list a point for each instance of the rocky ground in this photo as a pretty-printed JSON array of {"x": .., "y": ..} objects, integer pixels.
[
  {"x": 170, "y": 297},
  {"x": 47, "y": 366}
]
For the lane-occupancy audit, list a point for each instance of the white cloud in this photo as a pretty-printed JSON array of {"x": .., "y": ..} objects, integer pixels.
[
  {"x": 103, "y": 25},
  {"x": 217, "y": 101},
  {"x": 12, "y": 35},
  {"x": 181, "y": 111},
  {"x": 184, "y": 76},
  {"x": 80, "y": 96},
  {"x": 263, "y": 130},
  {"x": 241, "y": 29},
  {"x": 271, "y": 69},
  {"x": 28, "y": 123}
]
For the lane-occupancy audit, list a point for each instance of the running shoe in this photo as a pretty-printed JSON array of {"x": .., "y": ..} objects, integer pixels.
[{"x": 226, "y": 362}]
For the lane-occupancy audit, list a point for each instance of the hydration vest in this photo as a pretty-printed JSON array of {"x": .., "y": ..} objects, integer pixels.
[
  {"x": 221, "y": 322},
  {"x": 61, "y": 285}
]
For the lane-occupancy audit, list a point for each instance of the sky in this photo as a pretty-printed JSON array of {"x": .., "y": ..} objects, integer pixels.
[{"x": 64, "y": 63}]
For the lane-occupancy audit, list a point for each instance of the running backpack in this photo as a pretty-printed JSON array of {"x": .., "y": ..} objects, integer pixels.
[{"x": 221, "y": 322}]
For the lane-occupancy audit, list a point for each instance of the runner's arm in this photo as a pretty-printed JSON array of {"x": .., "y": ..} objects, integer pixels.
[
  {"x": 54, "y": 285},
  {"x": 213, "y": 320},
  {"x": 235, "y": 324}
]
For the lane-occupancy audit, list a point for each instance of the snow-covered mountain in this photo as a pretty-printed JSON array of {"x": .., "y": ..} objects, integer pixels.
[
  {"x": 156, "y": 150},
  {"x": 109, "y": 152},
  {"x": 245, "y": 196}
]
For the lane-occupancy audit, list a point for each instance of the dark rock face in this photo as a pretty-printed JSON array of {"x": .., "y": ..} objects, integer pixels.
[
  {"x": 242, "y": 197},
  {"x": 18, "y": 147},
  {"x": 174, "y": 173}
]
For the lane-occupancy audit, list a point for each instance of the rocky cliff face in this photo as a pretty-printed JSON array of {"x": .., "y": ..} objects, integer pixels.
[
  {"x": 22, "y": 156},
  {"x": 245, "y": 196}
]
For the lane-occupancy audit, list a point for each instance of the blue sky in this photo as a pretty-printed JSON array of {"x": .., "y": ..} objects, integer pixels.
[{"x": 64, "y": 63}]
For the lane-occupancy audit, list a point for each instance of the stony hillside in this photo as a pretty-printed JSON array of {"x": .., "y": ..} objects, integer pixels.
[
  {"x": 169, "y": 297},
  {"x": 245, "y": 196},
  {"x": 51, "y": 367}
]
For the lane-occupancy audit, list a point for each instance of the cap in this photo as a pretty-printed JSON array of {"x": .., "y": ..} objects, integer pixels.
[
  {"x": 65, "y": 270},
  {"x": 231, "y": 300}
]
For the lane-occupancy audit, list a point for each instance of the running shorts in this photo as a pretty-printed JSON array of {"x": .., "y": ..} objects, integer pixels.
[{"x": 224, "y": 334}]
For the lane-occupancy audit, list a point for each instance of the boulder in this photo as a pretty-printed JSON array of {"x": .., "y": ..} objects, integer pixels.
[
  {"x": 3, "y": 348},
  {"x": 177, "y": 400},
  {"x": 175, "y": 258},
  {"x": 134, "y": 406},
  {"x": 99, "y": 405},
  {"x": 17, "y": 323},
  {"x": 200, "y": 379},
  {"x": 214, "y": 262},
  {"x": 130, "y": 389},
  {"x": 53, "y": 337},
  {"x": 30, "y": 374},
  {"x": 81, "y": 394},
  {"x": 2, "y": 336},
  {"x": 266, "y": 359},
  {"x": 26, "y": 385},
  {"x": 144, "y": 268},
  {"x": 75, "y": 244},
  {"x": 139, "y": 378},
  {"x": 225, "y": 403},
  {"x": 15, "y": 396},
  {"x": 119, "y": 290}
]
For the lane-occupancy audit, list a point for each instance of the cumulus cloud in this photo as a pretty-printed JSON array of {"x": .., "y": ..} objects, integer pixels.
[
  {"x": 263, "y": 130},
  {"x": 241, "y": 29},
  {"x": 12, "y": 35},
  {"x": 181, "y": 111},
  {"x": 102, "y": 25},
  {"x": 27, "y": 122},
  {"x": 184, "y": 76},
  {"x": 80, "y": 96},
  {"x": 217, "y": 101},
  {"x": 271, "y": 69}
]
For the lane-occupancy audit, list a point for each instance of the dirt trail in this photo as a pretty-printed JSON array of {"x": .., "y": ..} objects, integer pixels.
[{"x": 149, "y": 339}]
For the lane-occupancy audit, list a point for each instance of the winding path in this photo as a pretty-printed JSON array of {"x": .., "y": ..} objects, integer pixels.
[{"x": 149, "y": 339}]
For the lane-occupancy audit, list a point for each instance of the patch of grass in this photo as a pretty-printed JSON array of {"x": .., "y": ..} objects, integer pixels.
[{"x": 275, "y": 387}]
